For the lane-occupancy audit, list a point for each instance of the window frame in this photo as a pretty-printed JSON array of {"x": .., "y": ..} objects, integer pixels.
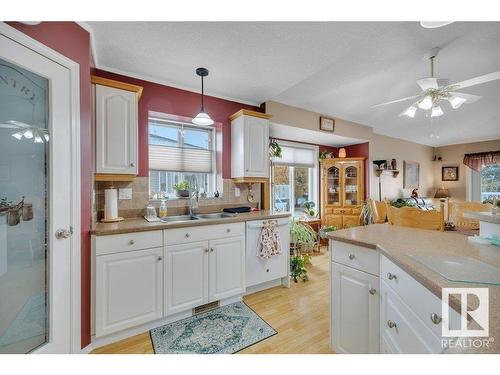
[
  {"x": 473, "y": 185},
  {"x": 179, "y": 124}
]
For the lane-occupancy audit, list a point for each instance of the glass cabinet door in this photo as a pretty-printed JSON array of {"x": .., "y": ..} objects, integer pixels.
[
  {"x": 351, "y": 185},
  {"x": 333, "y": 186}
]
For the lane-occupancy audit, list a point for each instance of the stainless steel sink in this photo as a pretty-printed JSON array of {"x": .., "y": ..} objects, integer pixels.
[
  {"x": 216, "y": 215},
  {"x": 171, "y": 219}
]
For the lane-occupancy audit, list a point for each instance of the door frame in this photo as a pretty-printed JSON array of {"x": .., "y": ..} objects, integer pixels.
[{"x": 75, "y": 205}]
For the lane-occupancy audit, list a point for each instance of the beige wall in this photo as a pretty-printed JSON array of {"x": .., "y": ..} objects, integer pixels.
[
  {"x": 300, "y": 118},
  {"x": 383, "y": 147},
  {"x": 453, "y": 156}
]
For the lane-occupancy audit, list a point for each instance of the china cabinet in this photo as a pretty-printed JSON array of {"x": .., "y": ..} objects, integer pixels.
[{"x": 342, "y": 191}]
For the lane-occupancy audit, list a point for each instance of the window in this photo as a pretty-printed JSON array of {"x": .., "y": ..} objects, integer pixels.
[
  {"x": 485, "y": 185},
  {"x": 176, "y": 151},
  {"x": 295, "y": 178}
]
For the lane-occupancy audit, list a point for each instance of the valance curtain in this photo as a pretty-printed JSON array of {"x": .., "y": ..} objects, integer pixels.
[{"x": 477, "y": 160}]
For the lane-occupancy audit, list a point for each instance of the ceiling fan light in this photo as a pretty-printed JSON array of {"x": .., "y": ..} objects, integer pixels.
[
  {"x": 410, "y": 111},
  {"x": 46, "y": 136},
  {"x": 456, "y": 101},
  {"x": 202, "y": 118},
  {"x": 18, "y": 135},
  {"x": 425, "y": 103},
  {"x": 436, "y": 111},
  {"x": 28, "y": 134},
  {"x": 38, "y": 138}
]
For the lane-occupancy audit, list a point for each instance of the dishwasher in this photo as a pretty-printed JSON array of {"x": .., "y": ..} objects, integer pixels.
[{"x": 259, "y": 270}]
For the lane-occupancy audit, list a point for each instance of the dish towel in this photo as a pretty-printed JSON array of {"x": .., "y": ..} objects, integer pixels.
[{"x": 269, "y": 242}]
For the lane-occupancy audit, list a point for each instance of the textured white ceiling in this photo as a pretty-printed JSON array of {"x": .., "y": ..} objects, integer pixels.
[{"x": 336, "y": 68}]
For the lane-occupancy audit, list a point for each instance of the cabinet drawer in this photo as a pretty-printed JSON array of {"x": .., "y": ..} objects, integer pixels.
[
  {"x": 355, "y": 211},
  {"x": 402, "y": 331},
  {"x": 421, "y": 301},
  {"x": 357, "y": 257},
  {"x": 328, "y": 211},
  {"x": 342, "y": 211},
  {"x": 117, "y": 243},
  {"x": 202, "y": 233}
]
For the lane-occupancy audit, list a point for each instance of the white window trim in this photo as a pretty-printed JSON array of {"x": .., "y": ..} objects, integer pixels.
[
  {"x": 212, "y": 178},
  {"x": 313, "y": 176}
]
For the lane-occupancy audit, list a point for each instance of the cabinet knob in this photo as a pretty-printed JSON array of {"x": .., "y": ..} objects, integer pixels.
[
  {"x": 159, "y": 258},
  {"x": 267, "y": 270},
  {"x": 228, "y": 230},
  {"x": 131, "y": 242},
  {"x": 132, "y": 164},
  {"x": 391, "y": 324},
  {"x": 206, "y": 250},
  {"x": 352, "y": 256},
  {"x": 391, "y": 276},
  {"x": 211, "y": 249},
  {"x": 373, "y": 291},
  {"x": 187, "y": 235},
  {"x": 435, "y": 318}
]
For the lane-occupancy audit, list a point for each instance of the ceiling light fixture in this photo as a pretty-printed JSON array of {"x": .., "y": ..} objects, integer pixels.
[
  {"x": 425, "y": 103},
  {"x": 456, "y": 101},
  {"x": 410, "y": 111},
  {"x": 202, "y": 118},
  {"x": 434, "y": 24},
  {"x": 436, "y": 111},
  {"x": 28, "y": 134},
  {"x": 18, "y": 135}
]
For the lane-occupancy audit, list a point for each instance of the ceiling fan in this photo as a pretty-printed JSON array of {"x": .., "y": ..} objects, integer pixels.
[{"x": 436, "y": 90}]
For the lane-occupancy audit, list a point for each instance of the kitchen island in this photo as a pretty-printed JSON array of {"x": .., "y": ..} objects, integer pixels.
[{"x": 386, "y": 258}]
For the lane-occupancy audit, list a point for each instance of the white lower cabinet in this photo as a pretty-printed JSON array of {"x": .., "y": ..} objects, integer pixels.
[
  {"x": 186, "y": 276},
  {"x": 129, "y": 289},
  {"x": 201, "y": 272},
  {"x": 355, "y": 310}
]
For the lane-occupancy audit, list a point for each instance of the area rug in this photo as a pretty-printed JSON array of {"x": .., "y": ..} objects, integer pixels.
[{"x": 225, "y": 330}]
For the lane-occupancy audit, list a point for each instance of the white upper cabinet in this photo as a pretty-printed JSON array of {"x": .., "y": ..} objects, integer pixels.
[
  {"x": 249, "y": 144},
  {"x": 116, "y": 111}
]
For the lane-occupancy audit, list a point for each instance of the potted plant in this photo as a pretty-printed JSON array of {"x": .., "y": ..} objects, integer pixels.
[
  {"x": 301, "y": 235},
  {"x": 182, "y": 189},
  {"x": 326, "y": 155},
  {"x": 309, "y": 209},
  {"x": 275, "y": 149},
  {"x": 323, "y": 232}
]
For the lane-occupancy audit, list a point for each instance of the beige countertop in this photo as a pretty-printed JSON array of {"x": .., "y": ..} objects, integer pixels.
[
  {"x": 398, "y": 243},
  {"x": 141, "y": 225},
  {"x": 483, "y": 216}
]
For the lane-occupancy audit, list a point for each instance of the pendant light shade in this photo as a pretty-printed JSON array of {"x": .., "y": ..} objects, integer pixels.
[{"x": 202, "y": 118}]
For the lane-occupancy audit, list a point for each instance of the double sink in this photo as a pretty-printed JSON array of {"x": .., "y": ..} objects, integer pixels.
[{"x": 216, "y": 215}]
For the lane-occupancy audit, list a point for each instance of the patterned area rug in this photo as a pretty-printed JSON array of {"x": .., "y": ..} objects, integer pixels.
[{"x": 225, "y": 330}]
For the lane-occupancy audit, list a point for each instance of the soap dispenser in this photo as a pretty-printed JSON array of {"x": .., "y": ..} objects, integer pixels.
[{"x": 163, "y": 209}]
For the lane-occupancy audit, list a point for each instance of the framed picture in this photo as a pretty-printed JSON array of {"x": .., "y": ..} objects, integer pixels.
[
  {"x": 411, "y": 173},
  {"x": 326, "y": 124},
  {"x": 449, "y": 174}
]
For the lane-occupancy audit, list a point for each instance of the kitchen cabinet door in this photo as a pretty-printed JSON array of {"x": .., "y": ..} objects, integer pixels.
[
  {"x": 256, "y": 134},
  {"x": 226, "y": 268},
  {"x": 354, "y": 310},
  {"x": 334, "y": 221},
  {"x": 116, "y": 130},
  {"x": 129, "y": 289},
  {"x": 186, "y": 276}
]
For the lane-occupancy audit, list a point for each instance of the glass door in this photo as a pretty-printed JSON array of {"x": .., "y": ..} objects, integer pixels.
[
  {"x": 351, "y": 185},
  {"x": 333, "y": 186}
]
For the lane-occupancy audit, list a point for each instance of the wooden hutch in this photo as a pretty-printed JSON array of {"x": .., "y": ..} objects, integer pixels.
[{"x": 342, "y": 191}]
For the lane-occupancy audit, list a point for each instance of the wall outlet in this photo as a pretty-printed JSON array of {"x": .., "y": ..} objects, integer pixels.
[
  {"x": 125, "y": 193},
  {"x": 237, "y": 192}
]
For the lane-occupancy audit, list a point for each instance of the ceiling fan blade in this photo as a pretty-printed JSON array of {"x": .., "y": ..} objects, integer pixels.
[
  {"x": 396, "y": 101},
  {"x": 477, "y": 80},
  {"x": 469, "y": 97},
  {"x": 427, "y": 83},
  {"x": 443, "y": 82}
]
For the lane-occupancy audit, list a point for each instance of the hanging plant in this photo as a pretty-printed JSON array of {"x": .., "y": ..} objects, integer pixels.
[{"x": 275, "y": 149}]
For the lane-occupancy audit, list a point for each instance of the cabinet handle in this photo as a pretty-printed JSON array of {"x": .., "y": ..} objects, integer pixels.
[
  {"x": 228, "y": 230},
  {"x": 352, "y": 256},
  {"x": 132, "y": 164},
  {"x": 391, "y": 324},
  {"x": 267, "y": 270},
  {"x": 373, "y": 291},
  {"x": 160, "y": 258},
  {"x": 131, "y": 242},
  {"x": 435, "y": 318},
  {"x": 206, "y": 250},
  {"x": 187, "y": 235},
  {"x": 391, "y": 276},
  {"x": 211, "y": 249}
]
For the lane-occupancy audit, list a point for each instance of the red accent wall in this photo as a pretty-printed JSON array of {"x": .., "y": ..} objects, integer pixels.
[
  {"x": 72, "y": 41},
  {"x": 361, "y": 150},
  {"x": 166, "y": 99}
]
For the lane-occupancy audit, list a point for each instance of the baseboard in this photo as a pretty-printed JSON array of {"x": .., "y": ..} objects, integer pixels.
[{"x": 266, "y": 285}]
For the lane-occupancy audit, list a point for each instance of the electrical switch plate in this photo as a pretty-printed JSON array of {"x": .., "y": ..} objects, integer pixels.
[
  {"x": 237, "y": 191},
  {"x": 125, "y": 193}
]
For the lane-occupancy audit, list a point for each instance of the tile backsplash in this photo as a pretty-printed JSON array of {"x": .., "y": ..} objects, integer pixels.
[{"x": 135, "y": 207}]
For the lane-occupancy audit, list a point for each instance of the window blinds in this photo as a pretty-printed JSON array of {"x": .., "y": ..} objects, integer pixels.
[
  {"x": 296, "y": 156},
  {"x": 179, "y": 159}
]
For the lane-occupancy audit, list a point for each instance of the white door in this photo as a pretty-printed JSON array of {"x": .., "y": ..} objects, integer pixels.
[
  {"x": 35, "y": 163},
  {"x": 116, "y": 130},
  {"x": 355, "y": 310},
  {"x": 186, "y": 276},
  {"x": 256, "y": 135},
  {"x": 129, "y": 289},
  {"x": 226, "y": 268}
]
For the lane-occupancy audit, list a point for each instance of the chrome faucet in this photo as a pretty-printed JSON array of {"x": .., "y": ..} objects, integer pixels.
[{"x": 194, "y": 194}]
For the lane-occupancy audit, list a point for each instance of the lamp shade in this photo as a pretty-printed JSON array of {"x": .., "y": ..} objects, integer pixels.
[
  {"x": 202, "y": 118},
  {"x": 342, "y": 153},
  {"x": 442, "y": 193}
]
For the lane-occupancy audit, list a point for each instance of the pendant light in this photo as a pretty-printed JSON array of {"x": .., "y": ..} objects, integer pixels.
[{"x": 202, "y": 118}]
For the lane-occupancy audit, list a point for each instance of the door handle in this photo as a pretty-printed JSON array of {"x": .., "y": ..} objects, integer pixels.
[{"x": 62, "y": 234}]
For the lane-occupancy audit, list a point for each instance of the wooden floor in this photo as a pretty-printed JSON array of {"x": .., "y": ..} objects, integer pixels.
[{"x": 299, "y": 314}]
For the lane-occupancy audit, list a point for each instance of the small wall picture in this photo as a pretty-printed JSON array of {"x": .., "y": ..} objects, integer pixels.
[
  {"x": 326, "y": 124},
  {"x": 449, "y": 174},
  {"x": 411, "y": 172}
]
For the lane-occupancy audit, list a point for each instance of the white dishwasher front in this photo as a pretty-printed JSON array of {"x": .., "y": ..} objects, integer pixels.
[{"x": 259, "y": 270}]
